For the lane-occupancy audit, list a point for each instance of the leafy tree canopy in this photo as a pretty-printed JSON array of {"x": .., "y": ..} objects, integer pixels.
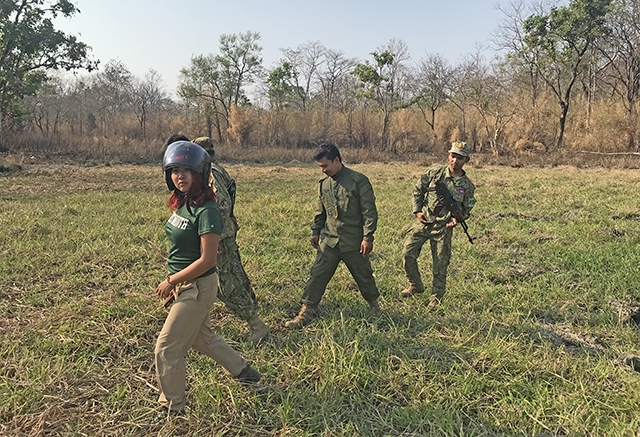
[
  {"x": 30, "y": 45},
  {"x": 557, "y": 45}
]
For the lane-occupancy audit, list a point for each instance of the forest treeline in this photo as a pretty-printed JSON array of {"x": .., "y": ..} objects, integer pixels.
[{"x": 558, "y": 78}]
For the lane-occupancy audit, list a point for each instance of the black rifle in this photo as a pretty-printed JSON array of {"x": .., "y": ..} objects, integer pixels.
[
  {"x": 443, "y": 192},
  {"x": 231, "y": 189}
]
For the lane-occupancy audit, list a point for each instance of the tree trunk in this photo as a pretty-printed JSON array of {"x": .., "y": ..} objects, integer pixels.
[
  {"x": 218, "y": 130},
  {"x": 385, "y": 131},
  {"x": 563, "y": 121}
]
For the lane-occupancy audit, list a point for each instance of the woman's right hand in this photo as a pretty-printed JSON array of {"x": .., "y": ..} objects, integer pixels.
[{"x": 164, "y": 289}]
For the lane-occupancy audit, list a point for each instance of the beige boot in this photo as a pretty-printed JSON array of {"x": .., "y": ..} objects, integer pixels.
[
  {"x": 410, "y": 291},
  {"x": 257, "y": 330},
  {"x": 434, "y": 301},
  {"x": 374, "y": 307},
  {"x": 306, "y": 315}
]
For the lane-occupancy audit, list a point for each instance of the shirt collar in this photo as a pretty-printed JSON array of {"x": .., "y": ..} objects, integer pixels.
[
  {"x": 338, "y": 176},
  {"x": 449, "y": 175}
]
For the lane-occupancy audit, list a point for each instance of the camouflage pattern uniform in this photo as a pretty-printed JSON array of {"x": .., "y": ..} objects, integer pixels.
[
  {"x": 235, "y": 288},
  {"x": 437, "y": 215},
  {"x": 345, "y": 216}
]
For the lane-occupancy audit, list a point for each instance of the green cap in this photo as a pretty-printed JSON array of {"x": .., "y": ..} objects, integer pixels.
[
  {"x": 206, "y": 144},
  {"x": 460, "y": 148}
]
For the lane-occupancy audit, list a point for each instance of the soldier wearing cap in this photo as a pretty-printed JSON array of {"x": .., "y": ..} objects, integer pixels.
[
  {"x": 435, "y": 221},
  {"x": 235, "y": 290}
]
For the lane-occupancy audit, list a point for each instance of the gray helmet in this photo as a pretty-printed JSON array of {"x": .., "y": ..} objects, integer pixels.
[{"x": 186, "y": 154}]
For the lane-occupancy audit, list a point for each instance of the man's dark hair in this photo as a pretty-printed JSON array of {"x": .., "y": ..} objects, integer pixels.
[
  {"x": 327, "y": 150},
  {"x": 172, "y": 139}
]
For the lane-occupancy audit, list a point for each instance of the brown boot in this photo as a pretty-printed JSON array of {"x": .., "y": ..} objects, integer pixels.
[
  {"x": 257, "y": 330},
  {"x": 374, "y": 307},
  {"x": 434, "y": 301},
  {"x": 306, "y": 315},
  {"x": 410, "y": 291}
]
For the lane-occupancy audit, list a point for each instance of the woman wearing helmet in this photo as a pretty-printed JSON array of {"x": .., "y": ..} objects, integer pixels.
[{"x": 194, "y": 232}]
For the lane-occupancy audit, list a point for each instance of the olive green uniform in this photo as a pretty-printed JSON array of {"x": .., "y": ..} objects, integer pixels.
[
  {"x": 437, "y": 215},
  {"x": 345, "y": 216},
  {"x": 235, "y": 288}
]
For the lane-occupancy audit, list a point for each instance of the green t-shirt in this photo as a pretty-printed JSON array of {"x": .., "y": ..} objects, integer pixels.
[{"x": 184, "y": 229}]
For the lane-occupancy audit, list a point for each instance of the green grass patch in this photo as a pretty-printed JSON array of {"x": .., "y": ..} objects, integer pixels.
[{"x": 529, "y": 340}]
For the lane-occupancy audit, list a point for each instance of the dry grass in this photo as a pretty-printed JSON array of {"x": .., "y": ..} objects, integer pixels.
[
  {"x": 233, "y": 154},
  {"x": 531, "y": 339}
]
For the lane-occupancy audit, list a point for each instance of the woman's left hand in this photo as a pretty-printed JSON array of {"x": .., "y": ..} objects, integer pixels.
[{"x": 164, "y": 289}]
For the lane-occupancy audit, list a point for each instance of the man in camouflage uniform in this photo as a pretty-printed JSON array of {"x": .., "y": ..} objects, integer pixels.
[
  {"x": 235, "y": 289},
  {"x": 436, "y": 222},
  {"x": 342, "y": 230}
]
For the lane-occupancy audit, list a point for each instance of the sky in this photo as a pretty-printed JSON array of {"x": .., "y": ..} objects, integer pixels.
[{"x": 164, "y": 35}]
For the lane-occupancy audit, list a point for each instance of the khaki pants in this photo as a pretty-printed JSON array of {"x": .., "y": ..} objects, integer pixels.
[
  {"x": 188, "y": 325},
  {"x": 325, "y": 265},
  {"x": 440, "y": 241}
]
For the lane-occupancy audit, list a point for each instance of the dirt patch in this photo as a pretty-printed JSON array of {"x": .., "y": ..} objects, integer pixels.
[
  {"x": 564, "y": 336},
  {"x": 8, "y": 169},
  {"x": 517, "y": 216},
  {"x": 626, "y": 217},
  {"x": 498, "y": 182},
  {"x": 278, "y": 169},
  {"x": 628, "y": 312},
  {"x": 632, "y": 361}
]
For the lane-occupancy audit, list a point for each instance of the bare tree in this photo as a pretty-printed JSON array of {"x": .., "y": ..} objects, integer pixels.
[
  {"x": 621, "y": 51},
  {"x": 462, "y": 77},
  {"x": 433, "y": 83},
  {"x": 148, "y": 94},
  {"x": 305, "y": 61},
  {"x": 490, "y": 94},
  {"x": 113, "y": 88},
  {"x": 510, "y": 37},
  {"x": 80, "y": 106},
  {"x": 334, "y": 78},
  {"x": 45, "y": 108}
]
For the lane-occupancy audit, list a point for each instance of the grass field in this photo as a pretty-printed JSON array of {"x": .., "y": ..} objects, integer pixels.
[{"x": 530, "y": 339}]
